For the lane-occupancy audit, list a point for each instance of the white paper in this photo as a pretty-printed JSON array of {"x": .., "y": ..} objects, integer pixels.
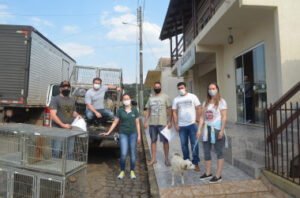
[
  {"x": 168, "y": 133},
  {"x": 80, "y": 123}
]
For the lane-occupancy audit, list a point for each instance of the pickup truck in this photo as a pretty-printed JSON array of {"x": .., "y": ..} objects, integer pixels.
[{"x": 81, "y": 82}]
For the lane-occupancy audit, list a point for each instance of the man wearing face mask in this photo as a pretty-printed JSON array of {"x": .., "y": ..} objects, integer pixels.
[
  {"x": 160, "y": 112},
  {"x": 186, "y": 114},
  {"x": 94, "y": 100},
  {"x": 62, "y": 107}
]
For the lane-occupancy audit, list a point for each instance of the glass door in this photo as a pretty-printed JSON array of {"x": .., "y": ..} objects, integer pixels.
[
  {"x": 251, "y": 86},
  {"x": 259, "y": 86},
  {"x": 240, "y": 96}
]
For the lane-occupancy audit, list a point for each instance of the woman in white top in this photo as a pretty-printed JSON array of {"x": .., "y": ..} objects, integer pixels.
[{"x": 213, "y": 121}]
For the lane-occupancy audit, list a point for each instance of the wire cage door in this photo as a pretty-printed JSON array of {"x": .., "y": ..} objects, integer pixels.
[
  {"x": 4, "y": 184},
  {"x": 23, "y": 185},
  {"x": 50, "y": 188}
]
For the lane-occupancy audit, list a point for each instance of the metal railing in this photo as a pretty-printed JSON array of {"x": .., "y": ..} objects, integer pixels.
[
  {"x": 204, "y": 11},
  {"x": 282, "y": 136}
]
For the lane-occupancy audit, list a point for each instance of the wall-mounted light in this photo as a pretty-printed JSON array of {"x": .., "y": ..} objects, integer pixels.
[{"x": 230, "y": 37}]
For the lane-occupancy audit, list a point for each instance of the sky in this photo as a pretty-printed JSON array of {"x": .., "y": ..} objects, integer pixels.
[{"x": 92, "y": 32}]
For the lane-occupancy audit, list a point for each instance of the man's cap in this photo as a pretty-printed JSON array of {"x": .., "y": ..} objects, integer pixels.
[{"x": 65, "y": 83}]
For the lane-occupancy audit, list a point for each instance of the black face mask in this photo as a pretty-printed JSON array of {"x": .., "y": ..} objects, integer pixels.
[
  {"x": 157, "y": 90},
  {"x": 65, "y": 92}
]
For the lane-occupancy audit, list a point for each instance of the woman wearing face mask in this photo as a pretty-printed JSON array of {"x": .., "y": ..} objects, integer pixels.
[
  {"x": 129, "y": 134},
  {"x": 213, "y": 121}
]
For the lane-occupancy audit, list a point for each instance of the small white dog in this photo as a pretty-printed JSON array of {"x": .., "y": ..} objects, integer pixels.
[{"x": 179, "y": 166}]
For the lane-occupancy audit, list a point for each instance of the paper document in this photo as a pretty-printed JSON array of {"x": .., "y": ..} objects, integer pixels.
[
  {"x": 80, "y": 123},
  {"x": 168, "y": 133}
]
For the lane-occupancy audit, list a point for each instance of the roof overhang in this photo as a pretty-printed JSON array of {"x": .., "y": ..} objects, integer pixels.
[
  {"x": 179, "y": 13},
  {"x": 152, "y": 77}
]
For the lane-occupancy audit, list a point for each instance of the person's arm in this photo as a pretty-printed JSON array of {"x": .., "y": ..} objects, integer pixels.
[
  {"x": 114, "y": 87},
  {"x": 170, "y": 117},
  {"x": 75, "y": 114},
  {"x": 97, "y": 114},
  {"x": 198, "y": 114},
  {"x": 112, "y": 127},
  {"x": 224, "y": 117},
  {"x": 56, "y": 119},
  {"x": 200, "y": 125},
  {"x": 146, "y": 118},
  {"x": 175, "y": 118},
  {"x": 138, "y": 128}
]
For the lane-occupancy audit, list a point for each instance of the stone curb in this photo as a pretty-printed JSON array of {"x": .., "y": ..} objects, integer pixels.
[{"x": 154, "y": 190}]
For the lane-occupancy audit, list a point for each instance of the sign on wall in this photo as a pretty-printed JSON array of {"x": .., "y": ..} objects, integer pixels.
[{"x": 187, "y": 61}]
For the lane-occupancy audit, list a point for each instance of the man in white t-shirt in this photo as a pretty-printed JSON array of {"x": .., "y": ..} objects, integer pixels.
[{"x": 186, "y": 113}]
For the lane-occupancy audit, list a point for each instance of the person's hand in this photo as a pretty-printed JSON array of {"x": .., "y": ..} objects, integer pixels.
[
  {"x": 145, "y": 125},
  {"x": 139, "y": 139},
  {"x": 98, "y": 115},
  {"x": 79, "y": 117},
  {"x": 66, "y": 126},
  {"x": 177, "y": 127},
  {"x": 169, "y": 125},
  {"x": 198, "y": 133},
  {"x": 119, "y": 89},
  {"x": 220, "y": 136},
  {"x": 104, "y": 134}
]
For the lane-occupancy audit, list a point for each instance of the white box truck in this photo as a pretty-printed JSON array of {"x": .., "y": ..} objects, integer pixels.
[{"x": 29, "y": 65}]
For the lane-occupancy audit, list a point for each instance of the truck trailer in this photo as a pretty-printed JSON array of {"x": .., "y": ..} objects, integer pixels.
[{"x": 29, "y": 65}]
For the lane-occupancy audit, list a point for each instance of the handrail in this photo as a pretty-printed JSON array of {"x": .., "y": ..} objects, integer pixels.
[
  {"x": 285, "y": 97},
  {"x": 282, "y": 136}
]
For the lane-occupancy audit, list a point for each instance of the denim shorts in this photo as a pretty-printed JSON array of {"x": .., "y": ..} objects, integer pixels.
[
  {"x": 154, "y": 130},
  {"x": 218, "y": 146}
]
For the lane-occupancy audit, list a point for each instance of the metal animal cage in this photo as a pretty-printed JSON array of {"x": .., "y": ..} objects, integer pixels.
[
  {"x": 3, "y": 183},
  {"x": 19, "y": 183},
  {"x": 49, "y": 150}
]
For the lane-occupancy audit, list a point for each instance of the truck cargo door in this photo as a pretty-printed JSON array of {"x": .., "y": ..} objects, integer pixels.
[
  {"x": 14, "y": 53},
  {"x": 65, "y": 70}
]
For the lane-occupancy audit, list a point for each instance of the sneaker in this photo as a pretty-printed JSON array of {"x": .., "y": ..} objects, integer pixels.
[
  {"x": 205, "y": 177},
  {"x": 215, "y": 179},
  {"x": 197, "y": 168},
  {"x": 121, "y": 175},
  {"x": 132, "y": 175}
]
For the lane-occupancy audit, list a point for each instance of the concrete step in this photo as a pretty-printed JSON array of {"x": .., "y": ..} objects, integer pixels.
[
  {"x": 257, "y": 143},
  {"x": 240, "y": 189},
  {"x": 249, "y": 167},
  {"x": 256, "y": 156}
]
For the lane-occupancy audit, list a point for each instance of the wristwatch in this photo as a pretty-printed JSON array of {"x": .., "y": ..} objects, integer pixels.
[{"x": 197, "y": 121}]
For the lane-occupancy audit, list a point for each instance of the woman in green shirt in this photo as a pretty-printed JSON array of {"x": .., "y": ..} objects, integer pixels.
[{"x": 130, "y": 133}]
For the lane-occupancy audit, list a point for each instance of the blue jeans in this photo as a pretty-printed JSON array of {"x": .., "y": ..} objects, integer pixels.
[
  {"x": 186, "y": 132},
  {"x": 126, "y": 140},
  {"x": 106, "y": 114},
  {"x": 57, "y": 147}
]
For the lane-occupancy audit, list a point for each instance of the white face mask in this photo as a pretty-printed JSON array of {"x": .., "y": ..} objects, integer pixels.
[
  {"x": 212, "y": 92},
  {"x": 97, "y": 86},
  {"x": 126, "y": 102},
  {"x": 182, "y": 92}
]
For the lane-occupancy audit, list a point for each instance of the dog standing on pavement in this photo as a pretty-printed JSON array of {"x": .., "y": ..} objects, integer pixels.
[{"x": 179, "y": 166}]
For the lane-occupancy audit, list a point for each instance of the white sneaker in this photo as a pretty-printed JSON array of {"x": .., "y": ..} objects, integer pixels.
[
  {"x": 132, "y": 175},
  {"x": 121, "y": 175}
]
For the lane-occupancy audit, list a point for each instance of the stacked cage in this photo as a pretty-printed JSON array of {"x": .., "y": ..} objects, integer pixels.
[{"x": 42, "y": 162}]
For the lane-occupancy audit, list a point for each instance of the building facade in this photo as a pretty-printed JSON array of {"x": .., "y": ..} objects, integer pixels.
[
  {"x": 251, "y": 48},
  {"x": 163, "y": 74}
]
